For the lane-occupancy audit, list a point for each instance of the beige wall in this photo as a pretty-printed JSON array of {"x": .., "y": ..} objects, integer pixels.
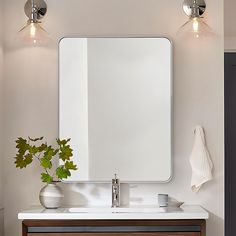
[
  {"x": 1, "y": 118},
  {"x": 230, "y": 43},
  {"x": 30, "y": 92},
  {"x": 1, "y": 99},
  {"x": 229, "y": 25}
]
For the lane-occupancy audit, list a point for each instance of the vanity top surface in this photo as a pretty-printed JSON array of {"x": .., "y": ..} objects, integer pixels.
[{"x": 102, "y": 213}]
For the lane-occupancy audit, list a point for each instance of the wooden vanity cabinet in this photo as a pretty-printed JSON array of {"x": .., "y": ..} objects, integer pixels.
[{"x": 114, "y": 228}]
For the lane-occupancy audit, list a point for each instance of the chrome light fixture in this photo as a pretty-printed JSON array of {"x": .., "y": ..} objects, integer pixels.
[
  {"x": 32, "y": 32},
  {"x": 195, "y": 26}
]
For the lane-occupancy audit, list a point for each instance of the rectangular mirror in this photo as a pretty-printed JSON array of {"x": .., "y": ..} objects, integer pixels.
[{"x": 115, "y": 104}]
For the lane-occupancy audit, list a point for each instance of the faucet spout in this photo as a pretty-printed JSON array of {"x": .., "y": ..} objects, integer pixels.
[{"x": 115, "y": 192}]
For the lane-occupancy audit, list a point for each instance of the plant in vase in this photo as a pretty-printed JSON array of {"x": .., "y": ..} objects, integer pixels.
[{"x": 36, "y": 149}]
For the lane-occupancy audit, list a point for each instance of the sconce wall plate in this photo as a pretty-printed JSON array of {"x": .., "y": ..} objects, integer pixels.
[
  {"x": 41, "y": 8},
  {"x": 188, "y": 7}
]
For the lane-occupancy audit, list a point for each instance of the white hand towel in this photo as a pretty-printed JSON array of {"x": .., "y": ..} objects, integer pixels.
[{"x": 200, "y": 161}]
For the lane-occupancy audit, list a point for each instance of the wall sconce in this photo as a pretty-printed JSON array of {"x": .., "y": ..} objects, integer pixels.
[
  {"x": 32, "y": 32},
  {"x": 195, "y": 26}
]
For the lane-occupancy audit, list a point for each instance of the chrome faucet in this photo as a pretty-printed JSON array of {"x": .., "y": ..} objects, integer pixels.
[{"x": 115, "y": 192}]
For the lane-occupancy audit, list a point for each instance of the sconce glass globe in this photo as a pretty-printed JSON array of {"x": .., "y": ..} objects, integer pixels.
[
  {"x": 195, "y": 27},
  {"x": 34, "y": 34}
]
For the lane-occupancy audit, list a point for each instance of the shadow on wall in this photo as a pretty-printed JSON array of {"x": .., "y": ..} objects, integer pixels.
[
  {"x": 215, "y": 224},
  {"x": 92, "y": 194}
]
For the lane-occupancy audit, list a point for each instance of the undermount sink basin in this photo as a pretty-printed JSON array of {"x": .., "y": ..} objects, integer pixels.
[{"x": 119, "y": 210}]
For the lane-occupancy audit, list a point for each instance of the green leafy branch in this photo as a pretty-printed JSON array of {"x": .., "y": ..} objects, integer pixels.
[{"x": 30, "y": 149}]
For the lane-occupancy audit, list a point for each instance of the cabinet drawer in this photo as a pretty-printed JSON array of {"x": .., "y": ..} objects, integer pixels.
[
  {"x": 118, "y": 234},
  {"x": 113, "y": 228}
]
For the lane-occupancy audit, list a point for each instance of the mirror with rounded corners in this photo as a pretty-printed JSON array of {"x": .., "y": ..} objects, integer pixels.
[{"x": 115, "y": 104}]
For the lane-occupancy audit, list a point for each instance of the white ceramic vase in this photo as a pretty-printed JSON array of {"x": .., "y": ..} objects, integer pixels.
[{"x": 51, "y": 196}]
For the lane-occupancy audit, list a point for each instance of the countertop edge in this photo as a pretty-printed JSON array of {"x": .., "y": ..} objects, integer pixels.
[{"x": 114, "y": 216}]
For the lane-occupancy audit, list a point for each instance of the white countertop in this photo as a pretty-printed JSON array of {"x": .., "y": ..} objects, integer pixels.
[{"x": 185, "y": 212}]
